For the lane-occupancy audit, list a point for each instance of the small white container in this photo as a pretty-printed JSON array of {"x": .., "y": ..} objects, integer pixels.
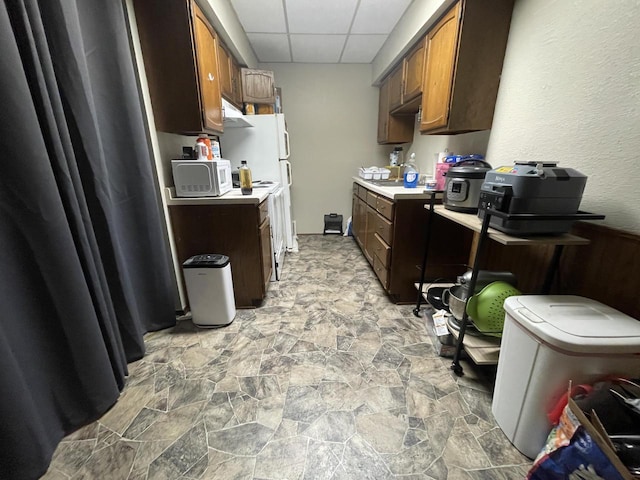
[
  {"x": 384, "y": 173},
  {"x": 365, "y": 173},
  {"x": 549, "y": 340},
  {"x": 377, "y": 175}
]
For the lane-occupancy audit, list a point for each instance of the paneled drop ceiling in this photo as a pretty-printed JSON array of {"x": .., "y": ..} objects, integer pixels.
[{"x": 318, "y": 31}]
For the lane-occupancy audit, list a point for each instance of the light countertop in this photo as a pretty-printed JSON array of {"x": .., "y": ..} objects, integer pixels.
[
  {"x": 396, "y": 193},
  {"x": 471, "y": 220},
  {"x": 235, "y": 196}
]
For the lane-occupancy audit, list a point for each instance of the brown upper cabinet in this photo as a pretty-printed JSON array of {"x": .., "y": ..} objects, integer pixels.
[
  {"x": 236, "y": 83},
  {"x": 464, "y": 56},
  {"x": 395, "y": 88},
  {"x": 410, "y": 89},
  {"x": 258, "y": 86},
  {"x": 229, "y": 76},
  {"x": 392, "y": 128},
  {"x": 224, "y": 67},
  {"x": 400, "y": 98},
  {"x": 180, "y": 53}
]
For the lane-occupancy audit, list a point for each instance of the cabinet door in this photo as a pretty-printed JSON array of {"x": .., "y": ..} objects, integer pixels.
[
  {"x": 363, "y": 222},
  {"x": 369, "y": 243},
  {"x": 236, "y": 83},
  {"x": 360, "y": 221},
  {"x": 383, "y": 112},
  {"x": 265, "y": 248},
  {"x": 355, "y": 220},
  {"x": 224, "y": 67},
  {"x": 392, "y": 129},
  {"x": 207, "y": 59},
  {"x": 413, "y": 73},
  {"x": 441, "y": 45},
  {"x": 258, "y": 86},
  {"x": 395, "y": 88}
]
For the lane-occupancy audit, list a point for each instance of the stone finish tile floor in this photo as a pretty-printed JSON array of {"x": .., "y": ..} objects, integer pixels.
[{"x": 327, "y": 380}]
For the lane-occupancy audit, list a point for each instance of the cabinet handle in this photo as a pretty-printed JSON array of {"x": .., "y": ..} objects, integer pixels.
[{"x": 211, "y": 77}]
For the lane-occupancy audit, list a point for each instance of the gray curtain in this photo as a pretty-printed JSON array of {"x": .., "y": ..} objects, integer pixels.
[{"x": 84, "y": 265}]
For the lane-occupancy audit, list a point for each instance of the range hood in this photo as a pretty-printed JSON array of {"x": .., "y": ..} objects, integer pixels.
[{"x": 233, "y": 117}]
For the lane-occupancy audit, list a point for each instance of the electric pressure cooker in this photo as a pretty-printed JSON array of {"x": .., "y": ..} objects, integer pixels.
[{"x": 462, "y": 185}]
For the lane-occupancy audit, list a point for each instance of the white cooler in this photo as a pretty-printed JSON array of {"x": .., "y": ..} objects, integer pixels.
[
  {"x": 210, "y": 290},
  {"x": 548, "y": 341}
]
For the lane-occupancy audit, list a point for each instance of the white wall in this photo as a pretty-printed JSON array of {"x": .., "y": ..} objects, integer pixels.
[
  {"x": 332, "y": 117},
  {"x": 427, "y": 146},
  {"x": 570, "y": 91}
]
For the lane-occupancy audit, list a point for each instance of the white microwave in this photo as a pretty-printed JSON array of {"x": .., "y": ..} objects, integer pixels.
[{"x": 201, "y": 178}]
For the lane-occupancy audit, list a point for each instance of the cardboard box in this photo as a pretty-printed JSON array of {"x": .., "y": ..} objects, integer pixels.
[
  {"x": 264, "y": 109},
  {"x": 597, "y": 432},
  {"x": 445, "y": 344}
]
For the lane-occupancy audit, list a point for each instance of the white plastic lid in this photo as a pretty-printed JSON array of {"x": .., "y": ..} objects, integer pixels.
[{"x": 576, "y": 324}]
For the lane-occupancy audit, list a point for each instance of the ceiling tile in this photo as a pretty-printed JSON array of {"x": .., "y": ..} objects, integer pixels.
[
  {"x": 317, "y": 48},
  {"x": 267, "y": 18},
  {"x": 329, "y": 26},
  {"x": 320, "y": 16},
  {"x": 270, "y": 47},
  {"x": 378, "y": 16},
  {"x": 362, "y": 48}
]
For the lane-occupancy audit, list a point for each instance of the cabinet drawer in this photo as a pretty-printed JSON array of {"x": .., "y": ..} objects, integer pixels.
[
  {"x": 372, "y": 199},
  {"x": 356, "y": 189},
  {"x": 264, "y": 212},
  {"x": 381, "y": 250},
  {"x": 381, "y": 272},
  {"x": 384, "y": 228},
  {"x": 385, "y": 207}
]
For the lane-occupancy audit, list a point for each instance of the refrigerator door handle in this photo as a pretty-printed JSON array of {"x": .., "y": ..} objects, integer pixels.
[
  {"x": 289, "y": 175},
  {"x": 286, "y": 144}
]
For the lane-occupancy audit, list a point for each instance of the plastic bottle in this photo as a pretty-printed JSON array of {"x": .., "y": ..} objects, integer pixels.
[
  {"x": 246, "y": 184},
  {"x": 203, "y": 137},
  {"x": 202, "y": 151},
  {"x": 215, "y": 149},
  {"x": 411, "y": 172},
  {"x": 395, "y": 158}
]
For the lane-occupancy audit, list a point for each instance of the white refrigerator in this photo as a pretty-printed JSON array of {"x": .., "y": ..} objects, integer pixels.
[{"x": 265, "y": 147}]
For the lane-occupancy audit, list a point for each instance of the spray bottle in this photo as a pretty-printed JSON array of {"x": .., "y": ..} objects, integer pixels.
[{"x": 411, "y": 172}]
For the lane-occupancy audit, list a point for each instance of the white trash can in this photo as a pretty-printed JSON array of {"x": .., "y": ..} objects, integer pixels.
[
  {"x": 210, "y": 290},
  {"x": 548, "y": 341}
]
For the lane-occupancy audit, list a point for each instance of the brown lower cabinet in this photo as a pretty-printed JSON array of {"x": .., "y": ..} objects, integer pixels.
[
  {"x": 240, "y": 231},
  {"x": 392, "y": 235}
]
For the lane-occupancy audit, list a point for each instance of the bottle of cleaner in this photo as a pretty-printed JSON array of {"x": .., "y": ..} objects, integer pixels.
[
  {"x": 246, "y": 184},
  {"x": 411, "y": 173},
  {"x": 203, "y": 137},
  {"x": 215, "y": 149},
  {"x": 202, "y": 151}
]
